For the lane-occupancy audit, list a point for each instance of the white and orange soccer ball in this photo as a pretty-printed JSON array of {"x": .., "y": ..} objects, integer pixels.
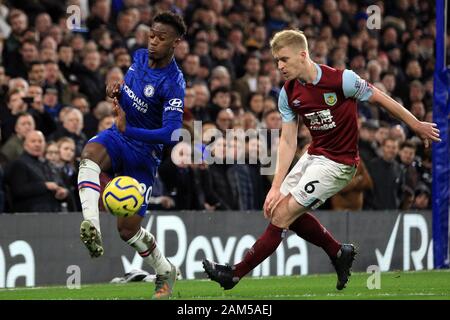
[{"x": 123, "y": 196}]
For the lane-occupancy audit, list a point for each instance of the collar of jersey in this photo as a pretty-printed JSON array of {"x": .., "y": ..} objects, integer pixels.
[
  {"x": 317, "y": 79},
  {"x": 158, "y": 69}
]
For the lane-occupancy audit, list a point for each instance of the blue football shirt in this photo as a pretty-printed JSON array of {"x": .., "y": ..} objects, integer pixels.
[{"x": 153, "y": 100}]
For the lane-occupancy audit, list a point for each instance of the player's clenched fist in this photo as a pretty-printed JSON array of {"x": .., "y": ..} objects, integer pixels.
[{"x": 113, "y": 89}]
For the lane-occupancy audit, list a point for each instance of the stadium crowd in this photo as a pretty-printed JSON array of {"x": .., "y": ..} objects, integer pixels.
[{"x": 52, "y": 96}]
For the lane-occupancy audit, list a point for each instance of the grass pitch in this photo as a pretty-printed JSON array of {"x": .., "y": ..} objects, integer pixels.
[{"x": 417, "y": 285}]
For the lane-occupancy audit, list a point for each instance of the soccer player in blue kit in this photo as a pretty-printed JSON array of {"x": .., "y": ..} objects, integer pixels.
[{"x": 149, "y": 108}]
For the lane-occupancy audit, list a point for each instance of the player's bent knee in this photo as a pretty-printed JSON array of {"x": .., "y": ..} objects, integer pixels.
[
  {"x": 279, "y": 217},
  {"x": 97, "y": 153},
  {"x": 91, "y": 151},
  {"x": 286, "y": 212},
  {"x": 126, "y": 233}
]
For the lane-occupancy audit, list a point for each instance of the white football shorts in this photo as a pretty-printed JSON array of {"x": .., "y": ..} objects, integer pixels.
[{"x": 315, "y": 178}]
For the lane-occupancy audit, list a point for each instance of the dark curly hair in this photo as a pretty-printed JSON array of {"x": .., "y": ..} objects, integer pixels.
[{"x": 172, "y": 19}]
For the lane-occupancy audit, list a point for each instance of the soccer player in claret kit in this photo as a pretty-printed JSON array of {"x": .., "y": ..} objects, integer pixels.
[
  {"x": 149, "y": 107},
  {"x": 326, "y": 99}
]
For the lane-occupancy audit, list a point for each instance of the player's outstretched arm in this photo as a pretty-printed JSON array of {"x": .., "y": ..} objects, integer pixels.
[
  {"x": 286, "y": 153},
  {"x": 425, "y": 130}
]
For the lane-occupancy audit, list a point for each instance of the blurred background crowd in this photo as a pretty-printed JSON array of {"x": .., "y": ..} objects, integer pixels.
[{"x": 52, "y": 95}]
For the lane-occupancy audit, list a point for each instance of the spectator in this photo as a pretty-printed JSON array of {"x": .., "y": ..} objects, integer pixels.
[
  {"x": 13, "y": 147},
  {"x": 18, "y": 21},
  {"x": 42, "y": 23},
  {"x": 140, "y": 40},
  {"x": 418, "y": 110},
  {"x": 56, "y": 32},
  {"x": 29, "y": 52},
  {"x": 266, "y": 88},
  {"x": 387, "y": 179},
  {"x": 52, "y": 104},
  {"x": 390, "y": 83},
  {"x": 220, "y": 77},
  {"x": 269, "y": 104},
  {"x": 54, "y": 79},
  {"x": 257, "y": 39},
  {"x": 248, "y": 82},
  {"x": 382, "y": 133},
  {"x": 92, "y": 83},
  {"x": 125, "y": 26},
  {"x": 249, "y": 121},
  {"x": 221, "y": 184},
  {"x": 34, "y": 186},
  {"x": 73, "y": 86},
  {"x": 122, "y": 60},
  {"x": 159, "y": 200},
  {"x": 406, "y": 157},
  {"x": 397, "y": 132},
  {"x": 66, "y": 61},
  {"x": 320, "y": 52},
  {"x": 225, "y": 120},
  {"x": 256, "y": 105},
  {"x": 52, "y": 154},
  {"x": 416, "y": 92},
  {"x": 191, "y": 65},
  {"x": 201, "y": 48},
  {"x": 261, "y": 184},
  {"x": 240, "y": 176},
  {"x": 44, "y": 121},
  {"x": 72, "y": 125},
  {"x": 92, "y": 119},
  {"x": 235, "y": 104},
  {"x": 100, "y": 13},
  {"x": 221, "y": 100},
  {"x": 15, "y": 106},
  {"x": 221, "y": 56},
  {"x": 18, "y": 84},
  {"x": 408, "y": 198},
  {"x": 189, "y": 104},
  {"x": 182, "y": 51},
  {"x": 202, "y": 95},
  {"x": 272, "y": 120},
  {"x": 81, "y": 103},
  {"x": 36, "y": 73},
  {"x": 422, "y": 198},
  {"x": 69, "y": 171}
]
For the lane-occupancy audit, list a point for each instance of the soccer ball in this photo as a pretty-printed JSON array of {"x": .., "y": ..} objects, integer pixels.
[{"x": 123, "y": 196}]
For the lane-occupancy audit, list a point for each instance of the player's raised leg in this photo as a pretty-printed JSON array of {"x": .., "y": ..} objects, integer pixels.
[
  {"x": 94, "y": 159},
  {"x": 144, "y": 243}
]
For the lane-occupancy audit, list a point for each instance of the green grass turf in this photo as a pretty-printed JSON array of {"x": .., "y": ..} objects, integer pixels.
[{"x": 394, "y": 285}]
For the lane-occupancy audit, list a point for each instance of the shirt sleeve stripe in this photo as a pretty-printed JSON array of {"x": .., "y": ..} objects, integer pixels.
[
  {"x": 355, "y": 87},
  {"x": 283, "y": 105}
]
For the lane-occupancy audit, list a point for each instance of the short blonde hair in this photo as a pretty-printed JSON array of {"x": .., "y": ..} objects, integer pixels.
[{"x": 289, "y": 38}]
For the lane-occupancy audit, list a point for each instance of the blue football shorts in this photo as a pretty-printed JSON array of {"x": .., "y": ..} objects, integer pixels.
[{"x": 131, "y": 158}]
